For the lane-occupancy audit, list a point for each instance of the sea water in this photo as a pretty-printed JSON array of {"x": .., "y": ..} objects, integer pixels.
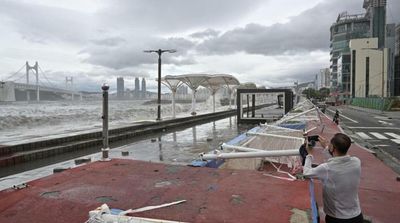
[{"x": 24, "y": 122}]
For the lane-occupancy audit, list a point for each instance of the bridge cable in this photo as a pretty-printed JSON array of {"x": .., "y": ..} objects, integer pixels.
[
  {"x": 45, "y": 77},
  {"x": 22, "y": 76},
  {"x": 15, "y": 73}
]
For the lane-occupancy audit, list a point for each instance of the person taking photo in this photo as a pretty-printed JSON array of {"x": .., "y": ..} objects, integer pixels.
[{"x": 340, "y": 177}]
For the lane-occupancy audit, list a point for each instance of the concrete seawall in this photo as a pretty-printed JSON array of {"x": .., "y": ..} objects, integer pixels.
[{"x": 15, "y": 154}]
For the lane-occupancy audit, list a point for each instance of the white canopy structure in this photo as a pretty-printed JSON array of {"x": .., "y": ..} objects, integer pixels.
[
  {"x": 211, "y": 81},
  {"x": 216, "y": 81},
  {"x": 173, "y": 84}
]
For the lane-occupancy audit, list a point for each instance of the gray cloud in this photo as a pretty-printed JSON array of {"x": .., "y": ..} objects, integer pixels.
[
  {"x": 306, "y": 32},
  {"x": 175, "y": 15},
  {"x": 41, "y": 24},
  {"x": 130, "y": 53},
  {"x": 114, "y": 37},
  {"x": 112, "y": 41},
  {"x": 208, "y": 33}
]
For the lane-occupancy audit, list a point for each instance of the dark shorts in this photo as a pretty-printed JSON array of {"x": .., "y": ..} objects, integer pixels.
[{"x": 358, "y": 219}]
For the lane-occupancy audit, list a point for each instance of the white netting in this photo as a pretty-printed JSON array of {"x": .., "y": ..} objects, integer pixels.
[{"x": 284, "y": 137}]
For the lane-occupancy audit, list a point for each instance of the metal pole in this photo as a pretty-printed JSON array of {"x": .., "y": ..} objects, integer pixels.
[
  {"x": 238, "y": 155},
  {"x": 159, "y": 52},
  {"x": 193, "y": 102},
  {"x": 248, "y": 105},
  {"x": 213, "y": 95},
  {"x": 253, "y": 105},
  {"x": 230, "y": 92},
  {"x": 105, "y": 148},
  {"x": 383, "y": 78},
  {"x": 159, "y": 86},
  {"x": 275, "y": 135},
  {"x": 37, "y": 81},
  {"x": 28, "y": 96},
  {"x": 173, "y": 103}
]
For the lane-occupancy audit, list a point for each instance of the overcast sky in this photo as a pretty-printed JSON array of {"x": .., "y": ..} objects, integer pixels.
[{"x": 269, "y": 42}]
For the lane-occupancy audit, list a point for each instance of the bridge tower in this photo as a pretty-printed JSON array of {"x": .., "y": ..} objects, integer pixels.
[
  {"x": 35, "y": 68},
  {"x": 69, "y": 84}
]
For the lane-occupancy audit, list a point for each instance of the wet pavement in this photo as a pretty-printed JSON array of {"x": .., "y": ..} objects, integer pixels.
[
  {"x": 211, "y": 195},
  {"x": 179, "y": 147}
]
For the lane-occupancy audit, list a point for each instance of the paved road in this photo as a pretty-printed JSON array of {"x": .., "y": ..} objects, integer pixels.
[{"x": 371, "y": 128}]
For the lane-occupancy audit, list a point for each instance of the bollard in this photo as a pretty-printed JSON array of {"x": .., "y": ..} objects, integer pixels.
[{"x": 105, "y": 148}]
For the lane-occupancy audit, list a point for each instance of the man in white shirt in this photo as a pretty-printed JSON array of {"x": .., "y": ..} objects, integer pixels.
[{"x": 340, "y": 177}]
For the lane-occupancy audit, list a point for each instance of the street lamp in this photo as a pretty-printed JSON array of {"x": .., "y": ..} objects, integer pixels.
[{"x": 159, "y": 52}]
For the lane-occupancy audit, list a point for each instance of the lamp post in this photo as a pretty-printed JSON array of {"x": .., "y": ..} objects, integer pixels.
[
  {"x": 105, "y": 148},
  {"x": 159, "y": 52}
]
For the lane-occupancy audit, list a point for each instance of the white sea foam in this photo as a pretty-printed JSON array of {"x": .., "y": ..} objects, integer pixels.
[{"x": 27, "y": 121}]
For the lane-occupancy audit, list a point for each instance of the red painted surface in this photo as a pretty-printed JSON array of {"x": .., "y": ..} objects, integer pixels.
[
  {"x": 379, "y": 191},
  {"x": 212, "y": 195}
]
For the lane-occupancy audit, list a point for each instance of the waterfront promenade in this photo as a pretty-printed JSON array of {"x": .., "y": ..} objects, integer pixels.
[{"x": 212, "y": 195}]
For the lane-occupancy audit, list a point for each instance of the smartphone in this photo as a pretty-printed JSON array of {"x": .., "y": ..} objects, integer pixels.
[{"x": 314, "y": 138}]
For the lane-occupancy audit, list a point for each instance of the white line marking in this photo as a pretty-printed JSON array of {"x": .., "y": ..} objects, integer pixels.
[
  {"x": 363, "y": 135},
  {"x": 384, "y": 123},
  {"x": 341, "y": 115},
  {"x": 378, "y": 135},
  {"x": 382, "y": 145},
  {"x": 393, "y": 135},
  {"x": 388, "y": 128},
  {"x": 396, "y": 141},
  {"x": 380, "y": 117}
]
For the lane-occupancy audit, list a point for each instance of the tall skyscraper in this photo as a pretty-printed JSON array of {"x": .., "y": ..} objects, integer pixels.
[
  {"x": 136, "y": 91},
  {"x": 376, "y": 12},
  {"x": 143, "y": 88},
  {"x": 137, "y": 85},
  {"x": 120, "y": 87}
]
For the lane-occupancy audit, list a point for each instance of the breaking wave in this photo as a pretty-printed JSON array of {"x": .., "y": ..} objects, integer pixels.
[{"x": 48, "y": 118}]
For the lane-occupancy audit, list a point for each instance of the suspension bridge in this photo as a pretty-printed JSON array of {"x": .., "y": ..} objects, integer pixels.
[{"x": 12, "y": 88}]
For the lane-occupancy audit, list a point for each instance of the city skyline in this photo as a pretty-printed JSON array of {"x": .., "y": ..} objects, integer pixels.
[{"x": 97, "y": 41}]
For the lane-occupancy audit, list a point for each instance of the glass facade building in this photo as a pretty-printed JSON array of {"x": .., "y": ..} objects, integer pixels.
[
  {"x": 370, "y": 24},
  {"x": 345, "y": 28}
]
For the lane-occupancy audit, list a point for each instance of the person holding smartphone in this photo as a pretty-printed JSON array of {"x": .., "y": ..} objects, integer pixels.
[{"x": 340, "y": 177}]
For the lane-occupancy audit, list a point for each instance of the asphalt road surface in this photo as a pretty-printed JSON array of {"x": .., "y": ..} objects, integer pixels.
[{"x": 372, "y": 129}]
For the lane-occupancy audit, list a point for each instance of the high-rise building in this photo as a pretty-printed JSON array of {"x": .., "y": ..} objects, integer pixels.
[
  {"x": 369, "y": 68},
  {"x": 137, "y": 85},
  {"x": 322, "y": 80},
  {"x": 396, "y": 78},
  {"x": 397, "y": 40},
  {"x": 347, "y": 27},
  {"x": 376, "y": 12},
  {"x": 120, "y": 87},
  {"x": 143, "y": 88}
]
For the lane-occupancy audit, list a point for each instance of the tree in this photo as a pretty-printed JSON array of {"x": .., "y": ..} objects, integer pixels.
[
  {"x": 311, "y": 93},
  {"x": 324, "y": 92}
]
